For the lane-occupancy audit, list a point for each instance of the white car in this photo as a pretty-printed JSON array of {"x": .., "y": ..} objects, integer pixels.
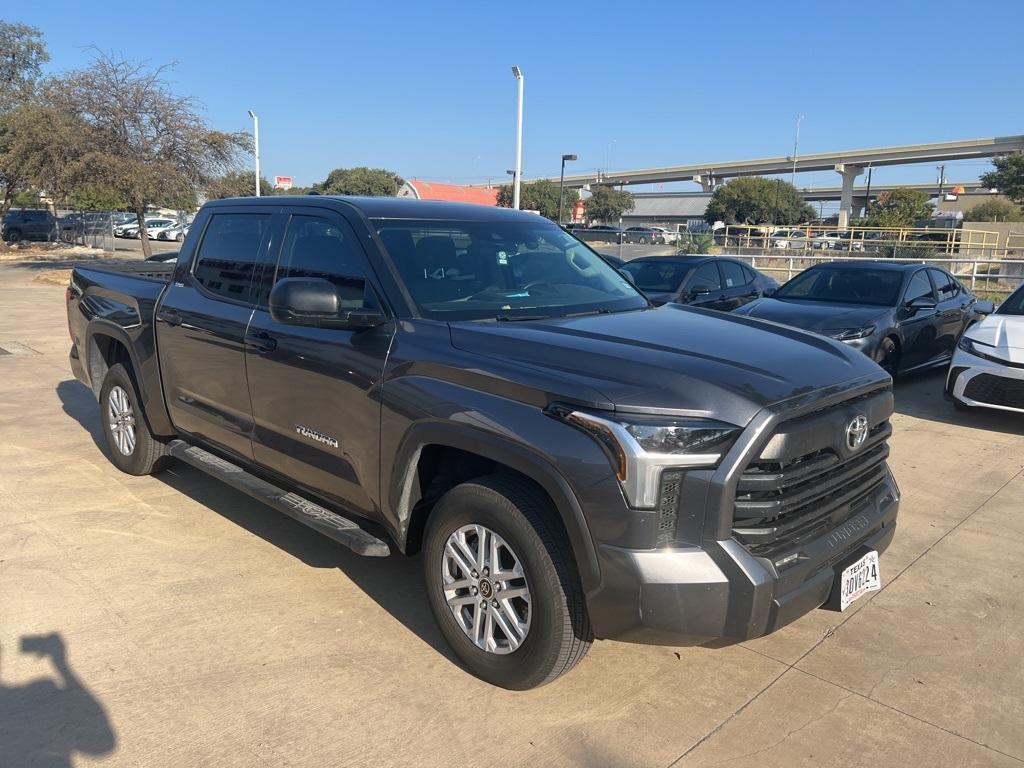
[
  {"x": 152, "y": 227},
  {"x": 792, "y": 238},
  {"x": 987, "y": 369},
  {"x": 176, "y": 233}
]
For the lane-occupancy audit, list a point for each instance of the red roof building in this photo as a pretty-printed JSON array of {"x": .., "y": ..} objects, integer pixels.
[{"x": 453, "y": 193}]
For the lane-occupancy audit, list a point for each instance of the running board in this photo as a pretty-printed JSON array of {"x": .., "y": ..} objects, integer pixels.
[{"x": 330, "y": 524}]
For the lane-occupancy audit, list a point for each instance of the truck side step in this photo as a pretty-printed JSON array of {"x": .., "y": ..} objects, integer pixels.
[{"x": 331, "y": 524}]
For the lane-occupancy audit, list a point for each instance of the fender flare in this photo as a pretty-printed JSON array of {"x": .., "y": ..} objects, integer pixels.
[{"x": 503, "y": 451}]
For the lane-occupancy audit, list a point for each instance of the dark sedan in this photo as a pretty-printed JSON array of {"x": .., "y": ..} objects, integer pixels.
[
  {"x": 904, "y": 316},
  {"x": 712, "y": 282}
]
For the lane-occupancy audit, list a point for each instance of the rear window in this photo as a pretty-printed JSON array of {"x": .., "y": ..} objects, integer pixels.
[
  {"x": 229, "y": 253},
  {"x": 657, "y": 276}
]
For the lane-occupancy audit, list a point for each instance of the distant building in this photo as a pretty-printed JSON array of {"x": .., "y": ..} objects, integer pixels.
[
  {"x": 953, "y": 203},
  {"x": 674, "y": 210},
  {"x": 453, "y": 193}
]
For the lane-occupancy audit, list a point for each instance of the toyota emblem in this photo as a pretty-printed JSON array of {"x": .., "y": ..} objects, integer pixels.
[{"x": 857, "y": 432}]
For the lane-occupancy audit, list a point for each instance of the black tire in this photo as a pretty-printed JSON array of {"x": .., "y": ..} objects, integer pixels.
[
  {"x": 518, "y": 511},
  {"x": 888, "y": 356},
  {"x": 13, "y": 235},
  {"x": 148, "y": 455}
]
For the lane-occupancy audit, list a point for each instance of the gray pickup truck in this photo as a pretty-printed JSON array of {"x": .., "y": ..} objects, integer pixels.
[{"x": 476, "y": 385}]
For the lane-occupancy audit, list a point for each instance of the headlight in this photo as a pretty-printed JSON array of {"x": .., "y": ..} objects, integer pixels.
[
  {"x": 639, "y": 447},
  {"x": 974, "y": 347},
  {"x": 849, "y": 334}
]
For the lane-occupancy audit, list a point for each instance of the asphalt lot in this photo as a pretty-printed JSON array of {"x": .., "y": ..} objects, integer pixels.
[
  {"x": 200, "y": 628},
  {"x": 132, "y": 247}
]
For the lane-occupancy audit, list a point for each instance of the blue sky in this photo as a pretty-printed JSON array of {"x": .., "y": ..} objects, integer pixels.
[{"x": 426, "y": 89}]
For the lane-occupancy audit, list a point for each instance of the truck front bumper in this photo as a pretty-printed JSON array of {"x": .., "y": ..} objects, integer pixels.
[{"x": 720, "y": 593}]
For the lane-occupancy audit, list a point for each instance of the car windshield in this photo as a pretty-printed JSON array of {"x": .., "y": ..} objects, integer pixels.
[
  {"x": 474, "y": 270},
  {"x": 657, "y": 276},
  {"x": 879, "y": 287},
  {"x": 1014, "y": 305}
]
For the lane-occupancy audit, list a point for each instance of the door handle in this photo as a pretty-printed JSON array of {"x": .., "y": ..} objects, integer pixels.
[
  {"x": 261, "y": 342},
  {"x": 169, "y": 316}
]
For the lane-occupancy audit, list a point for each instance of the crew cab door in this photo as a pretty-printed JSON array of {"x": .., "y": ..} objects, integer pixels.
[
  {"x": 919, "y": 326},
  {"x": 316, "y": 391},
  {"x": 737, "y": 284},
  {"x": 200, "y": 329}
]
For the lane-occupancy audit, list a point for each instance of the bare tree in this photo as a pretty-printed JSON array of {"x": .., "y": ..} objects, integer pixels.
[{"x": 144, "y": 142}]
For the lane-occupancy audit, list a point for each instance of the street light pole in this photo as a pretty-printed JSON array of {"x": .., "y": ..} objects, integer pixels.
[
  {"x": 561, "y": 184},
  {"x": 256, "y": 147},
  {"x": 796, "y": 147},
  {"x": 518, "y": 74}
]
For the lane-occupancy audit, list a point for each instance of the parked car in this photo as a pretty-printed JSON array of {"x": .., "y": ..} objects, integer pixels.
[
  {"x": 987, "y": 369},
  {"x": 29, "y": 224},
  {"x": 153, "y": 226},
  {"x": 176, "y": 233},
  {"x": 711, "y": 282},
  {"x": 788, "y": 238},
  {"x": 475, "y": 383},
  {"x": 644, "y": 235},
  {"x": 130, "y": 226},
  {"x": 77, "y": 225},
  {"x": 613, "y": 261},
  {"x": 904, "y": 316},
  {"x": 839, "y": 240}
]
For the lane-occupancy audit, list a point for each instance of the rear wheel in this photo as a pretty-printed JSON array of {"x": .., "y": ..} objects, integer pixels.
[
  {"x": 13, "y": 235},
  {"x": 133, "y": 448},
  {"x": 502, "y": 583}
]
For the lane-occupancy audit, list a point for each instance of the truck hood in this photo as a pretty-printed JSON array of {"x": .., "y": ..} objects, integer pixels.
[
  {"x": 814, "y": 315},
  {"x": 1004, "y": 333},
  {"x": 674, "y": 357}
]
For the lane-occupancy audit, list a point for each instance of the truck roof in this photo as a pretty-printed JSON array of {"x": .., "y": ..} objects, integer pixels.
[{"x": 394, "y": 207}]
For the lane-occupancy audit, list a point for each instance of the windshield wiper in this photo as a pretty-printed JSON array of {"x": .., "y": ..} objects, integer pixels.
[{"x": 515, "y": 318}]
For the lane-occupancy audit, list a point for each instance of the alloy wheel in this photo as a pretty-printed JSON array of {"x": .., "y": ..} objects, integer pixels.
[{"x": 121, "y": 418}]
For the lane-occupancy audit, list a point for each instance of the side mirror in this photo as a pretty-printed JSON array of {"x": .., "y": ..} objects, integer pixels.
[
  {"x": 984, "y": 307},
  {"x": 922, "y": 302},
  {"x": 699, "y": 289},
  {"x": 315, "y": 302},
  {"x": 770, "y": 290}
]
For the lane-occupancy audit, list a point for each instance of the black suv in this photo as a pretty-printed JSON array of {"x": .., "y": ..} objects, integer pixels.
[
  {"x": 29, "y": 224},
  {"x": 475, "y": 383}
]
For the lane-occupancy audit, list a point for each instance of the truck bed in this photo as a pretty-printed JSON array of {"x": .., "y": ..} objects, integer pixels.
[{"x": 153, "y": 270}]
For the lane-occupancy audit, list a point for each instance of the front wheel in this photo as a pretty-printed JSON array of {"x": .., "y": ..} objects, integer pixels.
[
  {"x": 133, "y": 448},
  {"x": 888, "y": 356},
  {"x": 502, "y": 583}
]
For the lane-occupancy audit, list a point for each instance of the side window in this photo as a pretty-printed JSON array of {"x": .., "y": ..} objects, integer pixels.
[
  {"x": 319, "y": 247},
  {"x": 751, "y": 277},
  {"x": 732, "y": 274},
  {"x": 228, "y": 254},
  {"x": 706, "y": 278},
  {"x": 919, "y": 287},
  {"x": 946, "y": 285}
]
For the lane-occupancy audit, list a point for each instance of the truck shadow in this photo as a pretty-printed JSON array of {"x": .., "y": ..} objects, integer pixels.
[
  {"x": 48, "y": 720},
  {"x": 395, "y": 583},
  {"x": 920, "y": 395}
]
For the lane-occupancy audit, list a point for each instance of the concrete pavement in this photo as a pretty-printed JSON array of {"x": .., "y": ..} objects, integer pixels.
[{"x": 169, "y": 620}]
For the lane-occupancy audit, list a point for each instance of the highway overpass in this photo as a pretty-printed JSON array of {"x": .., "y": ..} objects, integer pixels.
[{"x": 848, "y": 163}]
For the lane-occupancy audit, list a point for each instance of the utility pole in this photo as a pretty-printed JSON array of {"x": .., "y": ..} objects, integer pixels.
[
  {"x": 256, "y": 147},
  {"x": 518, "y": 74},
  {"x": 561, "y": 184},
  {"x": 942, "y": 178},
  {"x": 867, "y": 193},
  {"x": 796, "y": 146}
]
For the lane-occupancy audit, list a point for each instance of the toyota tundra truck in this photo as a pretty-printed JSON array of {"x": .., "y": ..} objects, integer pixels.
[{"x": 476, "y": 386}]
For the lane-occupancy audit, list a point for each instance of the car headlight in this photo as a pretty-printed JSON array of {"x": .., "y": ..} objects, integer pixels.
[
  {"x": 849, "y": 334},
  {"x": 974, "y": 347},
  {"x": 639, "y": 447}
]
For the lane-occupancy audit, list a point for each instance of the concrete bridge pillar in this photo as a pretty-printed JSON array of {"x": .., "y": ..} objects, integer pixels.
[
  {"x": 849, "y": 173},
  {"x": 707, "y": 182}
]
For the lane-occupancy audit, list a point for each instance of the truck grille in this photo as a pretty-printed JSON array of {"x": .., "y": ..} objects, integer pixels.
[
  {"x": 807, "y": 480},
  {"x": 996, "y": 390}
]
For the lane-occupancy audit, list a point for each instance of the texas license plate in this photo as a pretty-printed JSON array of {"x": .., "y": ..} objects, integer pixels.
[{"x": 858, "y": 579}]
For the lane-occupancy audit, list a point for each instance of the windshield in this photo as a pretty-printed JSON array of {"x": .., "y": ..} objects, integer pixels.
[
  {"x": 880, "y": 287},
  {"x": 1013, "y": 305},
  {"x": 657, "y": 276},
  {"x": 470, "y": 270}
]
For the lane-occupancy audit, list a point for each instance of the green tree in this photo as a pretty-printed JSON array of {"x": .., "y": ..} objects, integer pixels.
[
  {"x": 899, "y": 208},
  {"x": 21, "y": 65},
  {"x": 539, "y": 196},
  {"x": 92, "y": 197},
  {"x": 995, "y": 210},
  {"x": 757, "y": 200},
  {"x": 370, "y": 182},
  {"x": 1008, "y": 177},
  {"x": 138, "y": 138},
  {"x": 608, "y": 204},
  {"x": 236, "y": 184}
]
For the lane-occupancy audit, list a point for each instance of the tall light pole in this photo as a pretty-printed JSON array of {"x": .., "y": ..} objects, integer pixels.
[
  {"x": 561, "y": 184},
  {"x": 796, "y": 146},
  {"x": 518, "y": 74},
  {"x": 608, "y": 157},
  {"x": 256, "y": 147}
]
